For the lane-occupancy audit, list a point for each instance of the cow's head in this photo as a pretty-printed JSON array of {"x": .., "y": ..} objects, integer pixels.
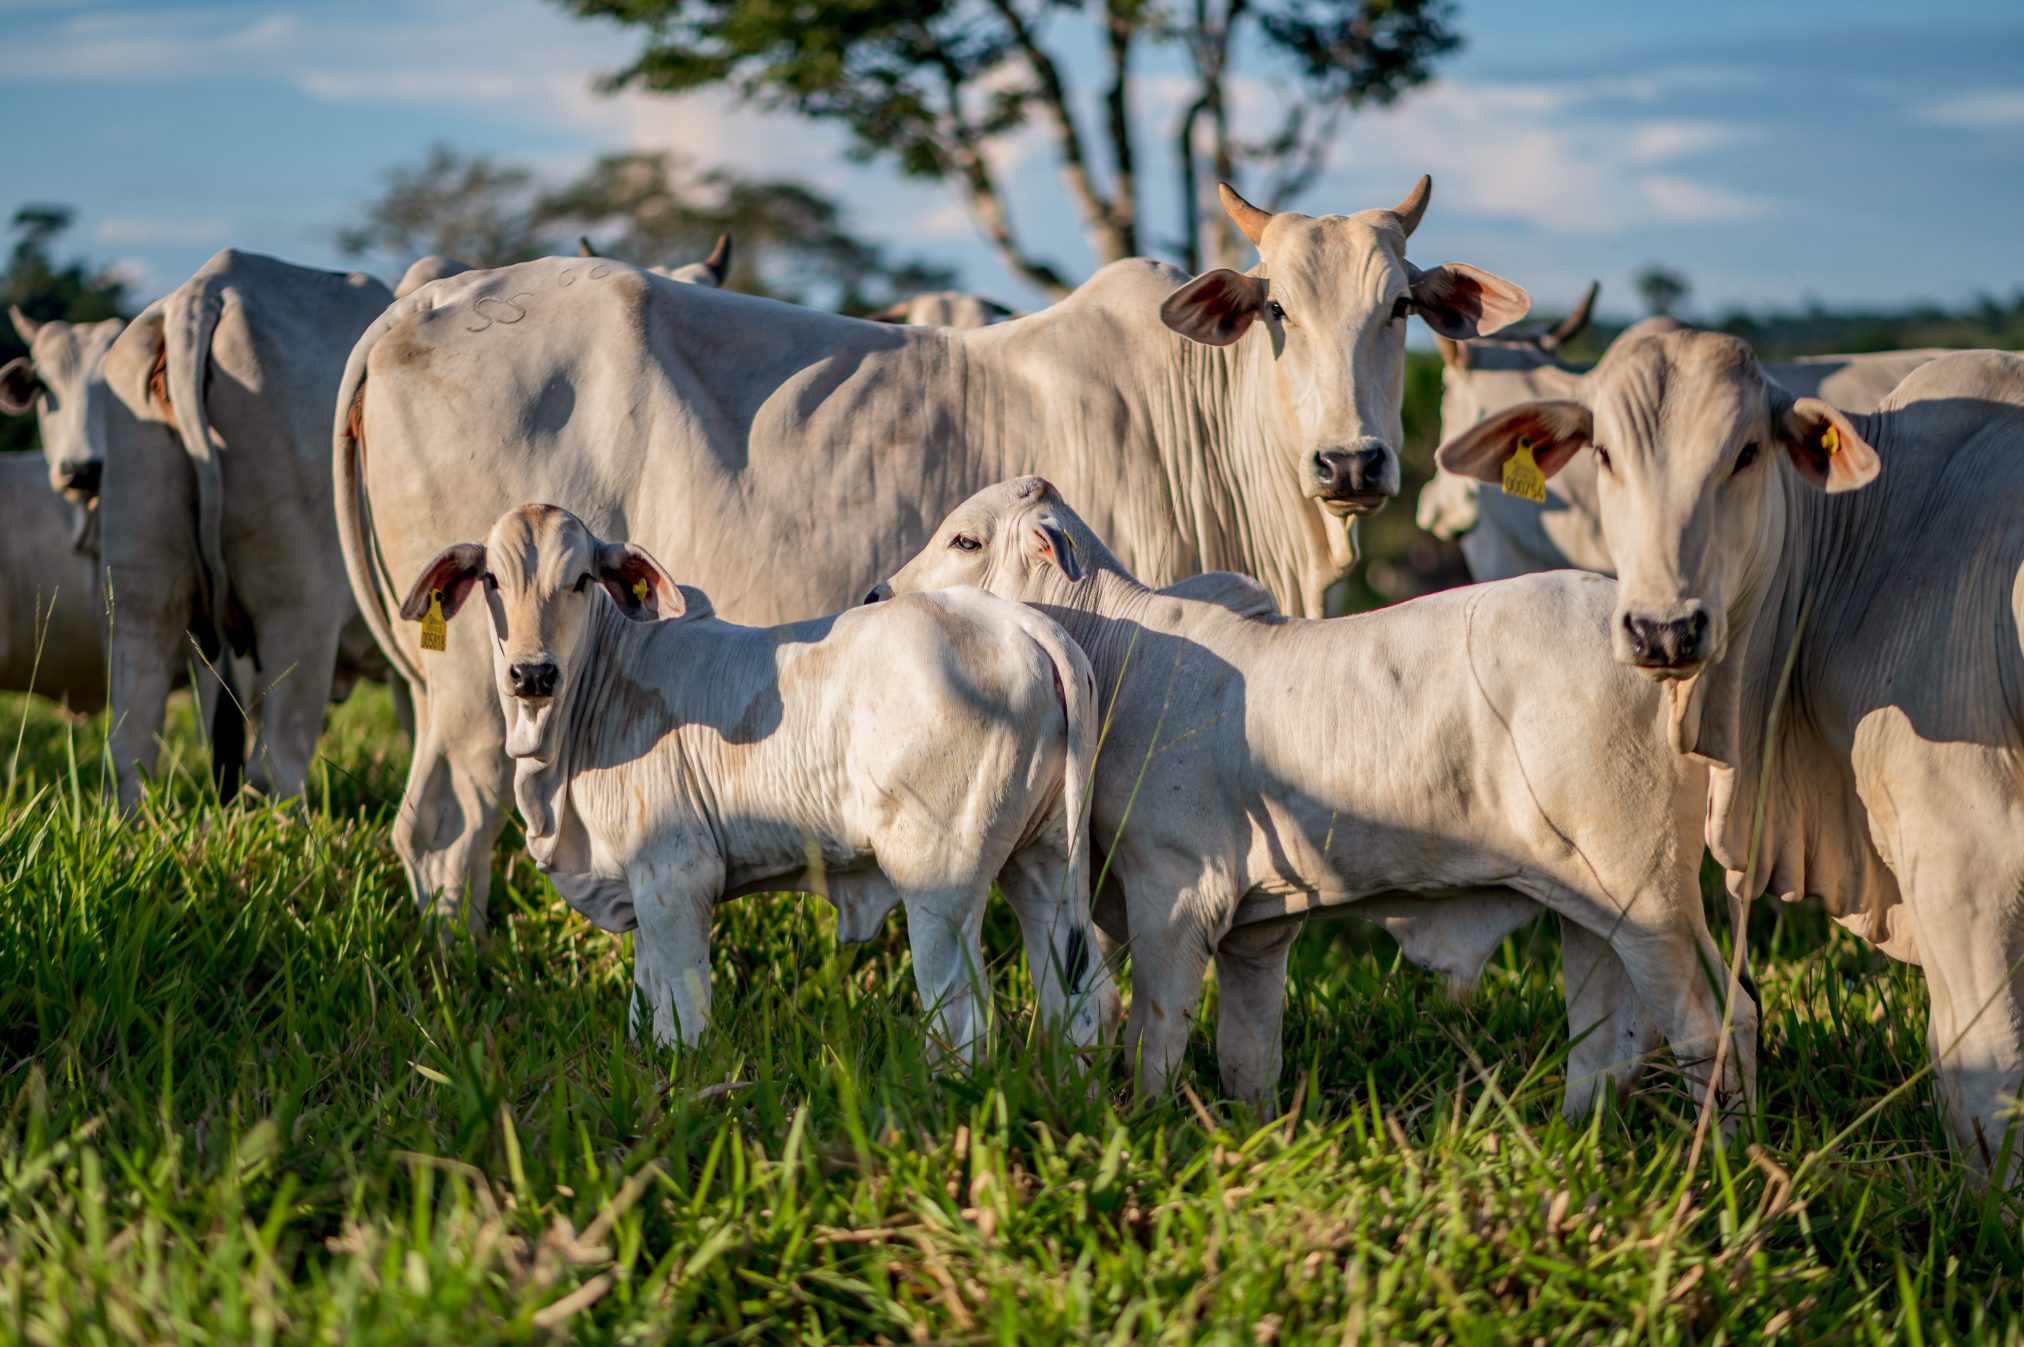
[
  {"x": 1688, "y": 434},
  {"x": 1328, "y": 302},
  {"x": 542, "y": 572},
  {"x": 1016, "y": 539},
  {"x": 61, "y": 380}
]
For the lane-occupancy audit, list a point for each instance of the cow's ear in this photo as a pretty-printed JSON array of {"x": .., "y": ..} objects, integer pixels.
[
  {"x": 1053, "y": 543},
  {"x": 1825, "y": 446},
  {"x": 1216, "y": 307},
  {"x": 1461, "y": 301},
  {"x": 1554, "y": 431},
  {"x": 637, "y": 583},
  {"x": 19, "y": 384},
  {"x": 454, "y": 571}
]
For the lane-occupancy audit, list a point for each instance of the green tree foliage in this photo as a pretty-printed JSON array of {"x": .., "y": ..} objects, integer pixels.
[
  {"x": 937, "y": 85},
  {"x": 44, "y": 288},
  {"x": 1662, "y": 289},
  {"x": 655, "y": 209}
]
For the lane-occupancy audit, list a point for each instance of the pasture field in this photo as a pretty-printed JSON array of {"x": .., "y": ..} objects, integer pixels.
[{"x": 247, "y": 1100}]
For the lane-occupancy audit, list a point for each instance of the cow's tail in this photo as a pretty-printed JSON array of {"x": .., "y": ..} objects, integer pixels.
[
  {"x": 1076, "y": 682},
  {"x": 189, "y": 320},
  {"x": 355, "y": 536}
]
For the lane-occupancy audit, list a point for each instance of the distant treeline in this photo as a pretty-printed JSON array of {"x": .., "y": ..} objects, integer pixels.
[{"x": 1817, "y": 330}]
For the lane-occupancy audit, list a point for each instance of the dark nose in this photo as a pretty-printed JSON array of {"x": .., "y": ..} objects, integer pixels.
[
  {"x": 81, "y": 477},
  {"x": 878, "y": 594},
  {"x": 532, "y": 680},
  {"x": 1667, "y": 644},
  {"x": 1342, "y": 473}
]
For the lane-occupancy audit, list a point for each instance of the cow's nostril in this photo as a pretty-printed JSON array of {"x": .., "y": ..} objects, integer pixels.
[{"x": 532, "y": 680}]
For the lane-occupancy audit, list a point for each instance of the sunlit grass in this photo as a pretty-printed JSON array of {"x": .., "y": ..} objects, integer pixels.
[{"x": 247, "y": 1099}]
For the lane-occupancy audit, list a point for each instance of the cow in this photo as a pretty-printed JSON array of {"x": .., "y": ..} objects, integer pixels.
[
  {"x": 1431, "y": 765},
  {"x": 1504, "y": 535},
  {"x": 666, "y": 760},
  {"x": 55, "y": 380},
  {"x": 943, "y": 308},
  {"x": 52, "y": 621},
  {"x": 1842, "y": 651},
  {"x": 777, "y": 456},
  {"x": 434, "y": 267},
  {"x": 231, "y": 536}
]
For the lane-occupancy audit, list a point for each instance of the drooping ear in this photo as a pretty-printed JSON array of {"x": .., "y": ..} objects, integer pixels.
[
  {"x": 1556, "y": 432},
  {"x": 1824, "y": 445},
  {"x": 454, "y": 571},
  {"x": 1216, "y": 307},
  {"x": 1054, "y": 543},
  {"x": 24, "y": 326},
  {"x": 1462, "y": 301},
  {"x": 637, "y": 584},
  {"x": 19, "y": 383}
]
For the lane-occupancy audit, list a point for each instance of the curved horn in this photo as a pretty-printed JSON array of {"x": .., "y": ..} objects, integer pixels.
[
  {"x": 23, "y": 324},
  {"x": 719, "y": 260},
  {"x": 583, "y": 248},
  {"x": 1570, "y": 327},
  {"x": 1414, "y": 206},
  {"x": 1248, "y": 217}
]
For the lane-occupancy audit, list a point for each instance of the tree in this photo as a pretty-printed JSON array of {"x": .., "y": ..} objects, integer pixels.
[
  {"x": 936, "y": 85},
  {"x": 655, "y": 209},
  {"x": 1662, "y": 289},
  {"x": 43, "y": 288}
]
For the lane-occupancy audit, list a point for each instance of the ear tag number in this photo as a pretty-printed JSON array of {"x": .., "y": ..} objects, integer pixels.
[
  {"x": 435, "y": 627},
  {"x": 1830, "y": 440},
  {"x": 1522, "y": 477},
  {"x": 639, "y": 591}
]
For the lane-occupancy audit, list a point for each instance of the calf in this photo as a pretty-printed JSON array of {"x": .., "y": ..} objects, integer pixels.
[
  {"x": 1443, "y": 765},
  {"x": 908, "y": 755}
]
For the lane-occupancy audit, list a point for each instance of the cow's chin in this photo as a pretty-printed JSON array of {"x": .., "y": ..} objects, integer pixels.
[
  {"x": 529, "y": 730},
  {"x": 1354, "y": 507}
]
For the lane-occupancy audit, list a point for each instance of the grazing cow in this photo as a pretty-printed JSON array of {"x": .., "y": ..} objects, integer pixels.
[
  {"x": 1757, "y": 552},
  {"x": 1478, "y": 748},
  {"x": 55, "y": 380},
  {"x": 777, "y": 455},
  {"x": 434, "y": 267},
  {"x": 1504, "y": 535},
  {"x": 907, "y": 757},
  {"x": 52, "y": 620},
  {"x": 943, "y": 308},
  {"x": 241, "y": 363}
]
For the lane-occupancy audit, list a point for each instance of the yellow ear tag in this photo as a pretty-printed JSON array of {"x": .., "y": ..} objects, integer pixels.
[
  {"x": 1830, "y": 440},
  {"x": 639, "y": 591},
  {"x": 435, "y": 627},
  {"x": 1522, "y": 477}
]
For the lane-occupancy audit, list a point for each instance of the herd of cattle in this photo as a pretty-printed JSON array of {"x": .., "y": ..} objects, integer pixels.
[{"x": 1096, "y": 541}]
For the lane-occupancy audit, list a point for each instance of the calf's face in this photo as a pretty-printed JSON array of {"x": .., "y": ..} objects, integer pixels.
[
  {"x": 542, "y": 573},
  {"x": 1008, "y": 539},
  {"x": 1687, "y": 431}
]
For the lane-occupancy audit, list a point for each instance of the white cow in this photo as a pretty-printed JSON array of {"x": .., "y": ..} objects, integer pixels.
[
  {"x": 1752, "y": 534},
  {"x": 434, "y": 267},
  {"x": 55, "y": 380},
  {"x": 52, "y": 620},
  {"x": 943, "y": 308},
  {"x": 907, "y": 756},
  {"x": 777, "y": 455},
  {"x": 1504, "y": 535},
  {"x": 241, "y": 363},
  {"x": 1442, "y": 766}
]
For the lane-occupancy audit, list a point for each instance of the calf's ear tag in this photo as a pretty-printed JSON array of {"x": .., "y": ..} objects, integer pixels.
[
  {"x": 640, "y": 591},
  {"x": 1522, "y": 477},
  {"x": 435, "y": 627},
  {"x": 1830, "y": 441}
]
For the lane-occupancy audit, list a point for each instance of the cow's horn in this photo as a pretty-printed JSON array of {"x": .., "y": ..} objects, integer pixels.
[
  {"x": 1569, "y": 327},
  {"x": 583, "y": 248},
  {"x": 719, "y": 260},
  {"x": 1248, "y": 217},
  {"x": 1414, "y": 206}
]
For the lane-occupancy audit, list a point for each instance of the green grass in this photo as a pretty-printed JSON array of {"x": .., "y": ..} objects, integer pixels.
[{"x": 247, "y": 1100}]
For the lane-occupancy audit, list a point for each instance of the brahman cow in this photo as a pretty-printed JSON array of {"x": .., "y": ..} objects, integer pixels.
[
  {"x": 778, "y": 456},
  {"x": 943, "y": 308},
  {"x": 1441, "y": 766},
  {"x": 56, "y": 380},
  {"x": 666, "y": 760},
  {"x": 1850, "y": 643},
  {"x": 434, "y": 267}
]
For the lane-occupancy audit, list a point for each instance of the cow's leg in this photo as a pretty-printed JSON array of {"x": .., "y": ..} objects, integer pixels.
[
  {"x": 1610, "y": 1034},
  {"x": 1070, "y": 978},
  {"x": 945, "y": 933},
  {"x": 299, "y": 656},
  {"x": 1179, "y": 910},
  {"x": 671, "y": 957},
  {"x": 145, "y": 645},
  {"x": 1251, "y": 984},
  {"x": 450, "y": 815}
]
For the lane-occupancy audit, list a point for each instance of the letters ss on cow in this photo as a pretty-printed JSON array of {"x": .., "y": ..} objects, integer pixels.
[{"x": 910, "y": 755}]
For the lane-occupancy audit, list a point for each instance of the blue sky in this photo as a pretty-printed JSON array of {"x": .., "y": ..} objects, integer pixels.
[{"x": 1773, "y": 153}]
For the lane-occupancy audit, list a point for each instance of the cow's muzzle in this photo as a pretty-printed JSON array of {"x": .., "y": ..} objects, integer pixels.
[
  {"x": 1675, "y": 645},
  {"x": 532, "y": 682},
  {"x": 1352, "y": 480},
  {"x": 80, "y": 478}
]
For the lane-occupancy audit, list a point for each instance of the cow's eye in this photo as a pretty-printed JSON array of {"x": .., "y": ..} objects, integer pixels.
[
  {"x": 964, "y": 542},
  {"x": 583, "y": 582},
  {"x": 491, "y": 580},
  {"x": 1402, "y": 306},
  {"x": 1272, "y": 308},
  {"x": 1602, "y": 457},
  {"x": 1747, "y": 457}
]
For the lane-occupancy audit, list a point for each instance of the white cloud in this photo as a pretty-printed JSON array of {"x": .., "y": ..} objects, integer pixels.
[{"x": 1978, "y": 110}]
